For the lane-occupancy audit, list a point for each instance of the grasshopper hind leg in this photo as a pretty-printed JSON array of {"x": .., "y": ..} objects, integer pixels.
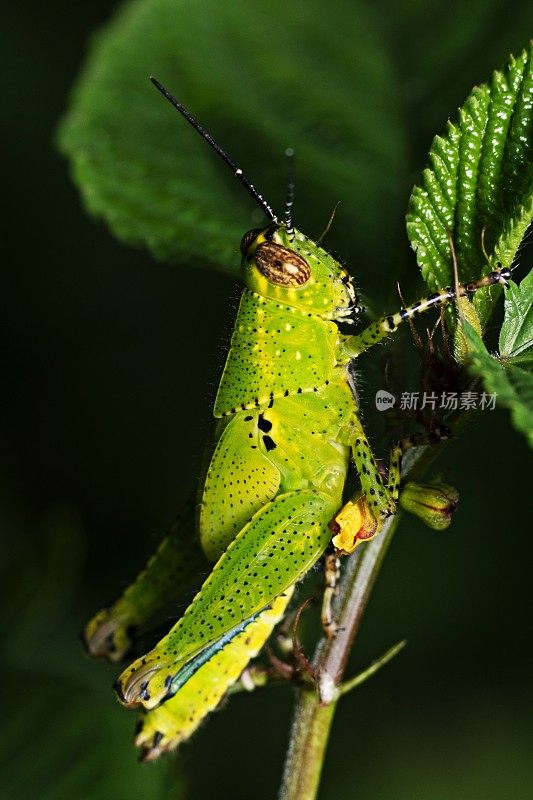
[
  {"x": 174, "y": 565},
  {"x": 164, "y": 728},
  {"x": 109, "y": 635},
  {"x": 272, "y": 552}
]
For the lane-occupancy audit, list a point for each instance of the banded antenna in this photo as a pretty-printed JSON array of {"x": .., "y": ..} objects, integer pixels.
[
  {"x": 218, "y": 150},
  {"x": 289, "y": 200}
]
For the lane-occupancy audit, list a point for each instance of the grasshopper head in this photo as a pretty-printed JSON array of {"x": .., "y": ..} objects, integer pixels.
[
  {"x": 295, "y": 271},
  {"x": 279, "y": 262}
]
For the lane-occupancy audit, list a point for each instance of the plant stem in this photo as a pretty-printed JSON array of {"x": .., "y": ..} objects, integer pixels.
[
  {"x": 315, "y": 707},
  {"x": 356, "y": 681},
  {"x": 307, "y": 749}
]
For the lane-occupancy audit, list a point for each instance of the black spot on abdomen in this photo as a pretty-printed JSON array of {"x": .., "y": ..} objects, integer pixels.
[{"x": 264, "y": 424}]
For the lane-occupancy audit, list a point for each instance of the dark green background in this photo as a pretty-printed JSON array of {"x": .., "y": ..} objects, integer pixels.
[{"x": 108, "y": 375}]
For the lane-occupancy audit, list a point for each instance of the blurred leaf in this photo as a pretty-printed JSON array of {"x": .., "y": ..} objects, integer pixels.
[
  {"x": 480, "y": 183},
  {"x": 61, "y": 737},
  {"x": 259, "y": 77},
  {"x": 62, "y": 741},
  {"x": 512, "y": 385},
  {"x": 516, "y": 334}
]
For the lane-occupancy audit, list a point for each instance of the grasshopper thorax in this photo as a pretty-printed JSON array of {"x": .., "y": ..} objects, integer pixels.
[{"x": 294, "y": 270}]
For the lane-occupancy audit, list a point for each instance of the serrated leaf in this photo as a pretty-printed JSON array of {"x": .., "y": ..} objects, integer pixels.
[
  {"x": 260, "y": 77},
  {"x": 512, "y": 385},
  {"x": 479, "y": 184},
  {"x": 516, "y": 334}
]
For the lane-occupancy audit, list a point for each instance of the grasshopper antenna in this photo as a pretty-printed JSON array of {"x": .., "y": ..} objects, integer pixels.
[
  {"x": 218, "y": 150},
  {"x": 328, "y": 226},
  {"x": 289, "y": 201}
]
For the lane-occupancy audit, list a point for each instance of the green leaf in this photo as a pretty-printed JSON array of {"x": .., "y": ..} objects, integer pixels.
[
  {"x": 512, "y": 385},
  {"x": 479, "y": 184},
  {"x": 260, "y": 77},
  {"x": 516, "y": 335}
]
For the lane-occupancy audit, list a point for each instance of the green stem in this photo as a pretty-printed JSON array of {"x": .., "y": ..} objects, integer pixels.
[
  {"x": 307, "y": 747},
  {"x": 315, "y": 708},
  {"x": 376, "y": 665}
]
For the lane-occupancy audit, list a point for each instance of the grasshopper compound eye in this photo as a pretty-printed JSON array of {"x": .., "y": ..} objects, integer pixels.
[
  {"x": 248, "y": 239},
  {"x": 281, "y": 266}
]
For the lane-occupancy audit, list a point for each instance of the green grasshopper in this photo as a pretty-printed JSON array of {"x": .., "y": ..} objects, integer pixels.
[{"x": 287, "y": 428}]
